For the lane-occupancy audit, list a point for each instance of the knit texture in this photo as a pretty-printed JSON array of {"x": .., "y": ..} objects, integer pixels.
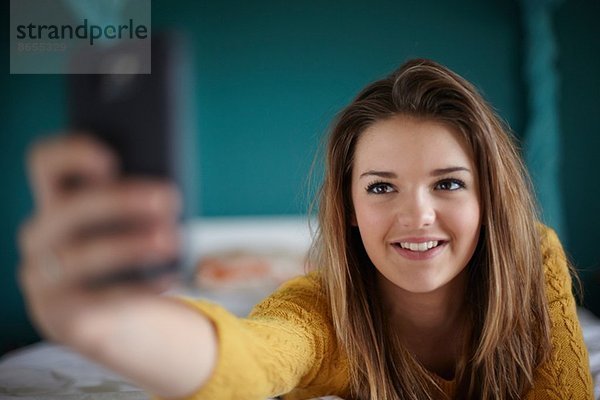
[
  {"x": 287, "y": 345},
  {"x": 566, "y": 375}
]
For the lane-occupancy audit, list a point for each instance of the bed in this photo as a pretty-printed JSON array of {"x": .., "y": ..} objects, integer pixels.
[{"x": 235, "y": 262}]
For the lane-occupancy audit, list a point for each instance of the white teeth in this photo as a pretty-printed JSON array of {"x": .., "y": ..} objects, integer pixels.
[{"x": 424, "y": 246}]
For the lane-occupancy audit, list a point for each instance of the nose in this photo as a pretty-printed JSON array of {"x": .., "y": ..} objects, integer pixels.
[{"x": 416, "y": 210}]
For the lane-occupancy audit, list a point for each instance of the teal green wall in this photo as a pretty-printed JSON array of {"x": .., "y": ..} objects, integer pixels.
[
  {"x": 30, "y": 106},
  {"x": 578, "y": 34},
  {"x": 270, "y": 77}
]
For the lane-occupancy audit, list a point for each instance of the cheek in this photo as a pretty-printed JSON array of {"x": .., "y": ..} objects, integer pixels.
[
  {"x": 370, "y": 215},
  {"x": 374, "y": 221},
  {"x": 466, "y": 220}
]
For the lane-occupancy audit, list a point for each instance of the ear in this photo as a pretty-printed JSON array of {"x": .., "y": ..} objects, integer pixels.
[{"x": 353, "y": 220}]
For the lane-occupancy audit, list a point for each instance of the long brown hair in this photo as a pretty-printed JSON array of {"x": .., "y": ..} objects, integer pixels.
[{"x": 507, "y": 341}]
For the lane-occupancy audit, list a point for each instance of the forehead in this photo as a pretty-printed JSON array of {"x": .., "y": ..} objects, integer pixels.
[{"x": 402, "y": 142}]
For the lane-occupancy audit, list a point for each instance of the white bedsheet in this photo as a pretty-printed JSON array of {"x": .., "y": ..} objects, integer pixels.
[{"x": 49, "y": 371}]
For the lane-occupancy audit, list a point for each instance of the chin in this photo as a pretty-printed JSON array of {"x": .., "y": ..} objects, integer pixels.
[
  {"x": 424, "y": 283},
  {"x": 421, "y": 287}
]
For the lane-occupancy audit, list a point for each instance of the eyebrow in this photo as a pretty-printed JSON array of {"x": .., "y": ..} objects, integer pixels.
[{"x": 435, "y": 172}]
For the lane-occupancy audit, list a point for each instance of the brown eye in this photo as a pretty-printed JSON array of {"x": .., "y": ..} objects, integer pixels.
[
  {"x": 450, "y": 185},
  {"x": 379, "y": 188}
]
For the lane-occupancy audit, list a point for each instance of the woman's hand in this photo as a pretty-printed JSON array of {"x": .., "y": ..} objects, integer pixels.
[{"x": 89, "y": 223}]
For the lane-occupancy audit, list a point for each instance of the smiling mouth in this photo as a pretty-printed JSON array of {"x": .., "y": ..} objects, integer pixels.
[{"x": 419, "y": 247}]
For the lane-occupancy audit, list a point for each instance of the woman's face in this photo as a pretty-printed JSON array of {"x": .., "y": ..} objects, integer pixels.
[{"x": 416, "y": 202}]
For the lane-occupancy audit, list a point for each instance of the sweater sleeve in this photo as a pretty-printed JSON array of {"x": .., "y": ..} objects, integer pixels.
[
  {"x": 280, "y": 348},
  {"x": 566, "y": 374}
]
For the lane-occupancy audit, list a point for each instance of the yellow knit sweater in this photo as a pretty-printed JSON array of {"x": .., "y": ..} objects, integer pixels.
[{"x": 287, "y": 345}]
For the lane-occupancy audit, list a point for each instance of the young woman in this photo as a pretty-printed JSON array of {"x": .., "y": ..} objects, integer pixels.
[{"x": 433, "y": 278}]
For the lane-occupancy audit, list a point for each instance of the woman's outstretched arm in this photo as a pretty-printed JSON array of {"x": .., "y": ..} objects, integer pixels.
[{"x": 71, "y": 239}]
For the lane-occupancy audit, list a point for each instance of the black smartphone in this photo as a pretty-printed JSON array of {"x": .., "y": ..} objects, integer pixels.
[{"x": 144, "y": 118}]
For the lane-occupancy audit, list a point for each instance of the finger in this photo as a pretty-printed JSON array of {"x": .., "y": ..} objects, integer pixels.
[
  {"x": 108, "y": 255},
  {"x": 52, "y": 271},
  {"x": 59, "y": 163},
  {"x": 122, "y": 206},
  {"x": 57, "y": 307}
]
